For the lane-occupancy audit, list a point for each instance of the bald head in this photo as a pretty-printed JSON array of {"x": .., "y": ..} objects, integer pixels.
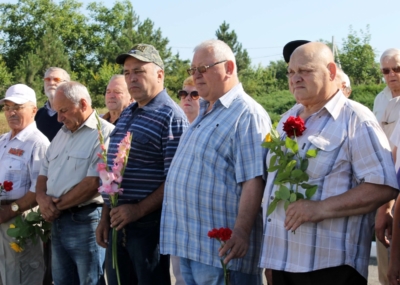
[{"x": 312, "y": 73}]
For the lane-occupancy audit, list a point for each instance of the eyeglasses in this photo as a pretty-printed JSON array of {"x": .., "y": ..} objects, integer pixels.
[
  {"x": 386, "y": 70},
  {"x": 182, "y": 94},
  {"x": 13, "y": 108},
  {"x": 203, "y": 68},
  {"x": 55, "y": 79}
]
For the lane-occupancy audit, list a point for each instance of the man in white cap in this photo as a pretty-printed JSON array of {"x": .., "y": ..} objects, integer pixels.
[{"x": 21, "y": 152}]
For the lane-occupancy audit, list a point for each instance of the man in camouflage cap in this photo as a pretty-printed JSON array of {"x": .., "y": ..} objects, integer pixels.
[{"x": 156, "y": 123}]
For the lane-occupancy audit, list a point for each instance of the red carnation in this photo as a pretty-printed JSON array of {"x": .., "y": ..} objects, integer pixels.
[
  {"x": 8, "y": 185},
  {"x": 213, "y": 233},
  {"x": 294, "y": 126},
  {"x": 225, "y": 234}
]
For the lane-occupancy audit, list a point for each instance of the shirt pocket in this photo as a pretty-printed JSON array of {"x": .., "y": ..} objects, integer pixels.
[
  {"x": 328, "y": 151},
  {"x": 78, "y": 159}
]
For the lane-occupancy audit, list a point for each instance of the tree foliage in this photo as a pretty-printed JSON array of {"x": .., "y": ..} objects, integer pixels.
[
  {"x": 230, "y": 38},
  {"x": 5, "y": 77}
]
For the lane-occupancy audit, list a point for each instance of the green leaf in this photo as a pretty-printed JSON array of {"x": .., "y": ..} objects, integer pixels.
[
  {"x": 305, "y": 185},
  {"x": 273, "y": 160},
  {"x": 292, "y": 145},
  {"x": 273, "y": 168},
  {"x": 296, "y": 173},
  {"x": 277, "y": 195},
  {"x": 311, "y": 153},
  {"x": 293, "y": 197},
  {"x": 304, "y": 176},
  {"x": 299, "y": 196},
  {"x": 290, "y": 166},
  {"x": 311, "y": 191},
  {"x": 304, "y": 164},
  {"x": 284, "y": 192},
  {"x": 287, "y": 203},
  {"x": 13, "y": 232},
  {"x": 272, "y": 206},
  {"x": 33, "y": 217}
]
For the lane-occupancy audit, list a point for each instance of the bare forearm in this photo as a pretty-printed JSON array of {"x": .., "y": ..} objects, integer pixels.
[
  {"x": 27, "y": 202},
  {"x": 41, "y": 187},
  {"x": 360, "y": 200},
  {"x": 250, "y": 203},
  {"x": 81, "y": 193},
  {"x": 152, "y": 202},
  {"x": 395, "y": 245}
]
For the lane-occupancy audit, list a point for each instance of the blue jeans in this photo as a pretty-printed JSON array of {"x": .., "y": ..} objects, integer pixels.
[
  {"x": 196, "y": 273},
  {"x": 76, "y": 257},
  {"x": 139, "y": 255}
]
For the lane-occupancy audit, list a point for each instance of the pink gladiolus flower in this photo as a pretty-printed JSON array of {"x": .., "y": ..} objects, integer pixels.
[
  {"x": 110, "y": 189},
  {"x": 100, "y": 155},
  {"x": 103, "y": 147},
  {"x": 101, "y": 166},
  {"x": 106, "y": 177}
]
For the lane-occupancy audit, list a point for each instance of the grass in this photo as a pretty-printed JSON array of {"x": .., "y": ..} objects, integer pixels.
[{"x": 4, "y": 125}]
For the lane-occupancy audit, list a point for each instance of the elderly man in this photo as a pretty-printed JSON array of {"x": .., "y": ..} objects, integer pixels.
[
  {"x": 353, "y": 172},
  {"x": 387, "y": 115},
  {"x": 67, "y": 188},
  {"x": 156, "y": 123},
  {"x": 215, "y": 178},
  {"x": 21, "y": 152},
  {"x": 117, "y": 98},
  {"x": 46, "y": 119},
  {"x": 343, "y": 82}
]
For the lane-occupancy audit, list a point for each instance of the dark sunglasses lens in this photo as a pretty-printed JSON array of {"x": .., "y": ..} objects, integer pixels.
[
  {"x": 194, "y": 95},
  {"x": 182, "y": 94},
  {"x": 396, "y": 69},
  {"x": 385, "y": 70},
  {"x": 202, "y": 69}
]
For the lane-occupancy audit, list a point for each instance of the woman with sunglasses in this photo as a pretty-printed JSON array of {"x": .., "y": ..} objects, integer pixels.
[{"x": 189, "y": 99}]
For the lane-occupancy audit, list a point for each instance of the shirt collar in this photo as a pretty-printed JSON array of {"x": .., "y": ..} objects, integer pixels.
[
  {"x": 50, "y": 111},
  {"x": 226, "y": 99},
  {"x": 22, "y": 135},
  {"x": 160, "y": 99},
  {"x": 91, "y": 122}
]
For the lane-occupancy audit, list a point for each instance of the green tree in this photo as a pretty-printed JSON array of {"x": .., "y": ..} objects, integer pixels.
[
  {"x": 230, "y": 38},
  {"x": 357, "y": 58},
  {"x": 5, "y": 77}
]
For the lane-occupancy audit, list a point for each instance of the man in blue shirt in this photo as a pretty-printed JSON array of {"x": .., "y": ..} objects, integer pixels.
[
  {"x": 215, "y": 179},
  {"x": 156, "y": 123}
]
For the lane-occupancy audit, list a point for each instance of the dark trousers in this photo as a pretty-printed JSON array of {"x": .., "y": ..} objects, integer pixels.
[
  {"x": 340, "y": 275},
  {"x": 139, "y": 258}
]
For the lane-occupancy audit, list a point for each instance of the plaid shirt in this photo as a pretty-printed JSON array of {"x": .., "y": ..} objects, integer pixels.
[
  {"x": 220, "y": 150},
  {"x": 156, "y": 129},
  {"x": 352, "y": 149}
]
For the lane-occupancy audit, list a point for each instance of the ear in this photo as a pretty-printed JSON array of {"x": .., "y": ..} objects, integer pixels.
[
  {"x": 332, "y": 71},
  {"x": 83, "y": 103},
  {"x": 229, "y": 67},
  {"x": 160, "y": 75}
]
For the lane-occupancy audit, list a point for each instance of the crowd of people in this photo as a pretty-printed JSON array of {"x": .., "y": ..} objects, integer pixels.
[{"x": 198, "y": 166}]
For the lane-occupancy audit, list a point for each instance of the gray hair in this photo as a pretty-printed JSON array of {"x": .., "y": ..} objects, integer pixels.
[
  {"x": 75, "y": 91},
  {"x": 343, "y": 77},
  {"x": 65, "y": 74},
  {"x": 390, "y": 53},
  {"x": 220, "y": 49},
  {"x": 117, "y": 76}
]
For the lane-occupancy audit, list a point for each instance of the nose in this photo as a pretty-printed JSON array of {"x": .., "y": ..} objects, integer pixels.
[{"x": 60, "y": 117}]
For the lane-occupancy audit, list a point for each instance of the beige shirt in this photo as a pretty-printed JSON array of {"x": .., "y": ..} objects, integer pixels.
[
  {"x": 73, "y": 156},
  {"x": 390, "y": 118},
  {"x": 381, "y": 101},
  {"x": 20, "y": 159}
]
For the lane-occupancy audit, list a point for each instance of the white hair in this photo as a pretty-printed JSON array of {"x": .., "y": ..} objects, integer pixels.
[
  {"x": 65, "y": 74},
  {"x": 390, "y": 53},
  {"x": 220, "y": 50},
  {"x": 75, "y": 91},
  {"x": 343, "y": 77}
]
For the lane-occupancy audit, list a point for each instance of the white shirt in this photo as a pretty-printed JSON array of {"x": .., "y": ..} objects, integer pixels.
[
  {"x": 20, "y": 160},
  {"x": 395, "y": 140},
  {"x": 381, "y": 101}
]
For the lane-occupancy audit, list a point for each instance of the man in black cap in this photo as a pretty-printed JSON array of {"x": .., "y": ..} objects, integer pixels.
[
  {"x": 289, "y": 48},
  {"x": 156, "y": 123}
]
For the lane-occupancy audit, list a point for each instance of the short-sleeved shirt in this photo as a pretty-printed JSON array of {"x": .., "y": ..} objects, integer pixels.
[
  {"x": 352, "y": 150},
  {"x": 395, "y": 140},
  {"x": 73, "y": 156},
  {"x": 380, "y": 103},
  {"x": 156, "y": 129},
  {"x": 390, "y": 118},
  {"x": 220, "y": 150},
  {"x": 20, "y": 160}
]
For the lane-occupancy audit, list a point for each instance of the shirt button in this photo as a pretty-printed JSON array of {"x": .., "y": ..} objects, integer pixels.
[
  {"x": 272, "y": 197},
  {"x": 269, "y": 220}
]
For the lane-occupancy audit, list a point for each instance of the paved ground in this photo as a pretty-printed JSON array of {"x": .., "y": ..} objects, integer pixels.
[{"x": 372, "y": 274}]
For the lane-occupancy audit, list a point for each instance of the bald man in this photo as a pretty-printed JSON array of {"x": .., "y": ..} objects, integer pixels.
[{"x": 354, "y": 173}]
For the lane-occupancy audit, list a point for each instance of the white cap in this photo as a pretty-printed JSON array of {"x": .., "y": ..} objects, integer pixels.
[{"x": 20, "y": 94}]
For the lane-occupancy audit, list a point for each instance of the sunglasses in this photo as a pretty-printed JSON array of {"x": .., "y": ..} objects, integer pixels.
[
  {"x": 203, "y": 68},
  {"x": 182, "y": 94},
  {"x": 387, "y": 70},
  {"x": 55, "y": 79}
]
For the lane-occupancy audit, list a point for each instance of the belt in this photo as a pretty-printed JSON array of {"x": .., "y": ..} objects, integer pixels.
[
  {"x": 6, "y": 202},
  {"x": 86, "y": 207}
]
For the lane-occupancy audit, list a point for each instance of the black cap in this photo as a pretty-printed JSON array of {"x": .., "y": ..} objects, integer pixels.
[{"x": 289, "y": 48}]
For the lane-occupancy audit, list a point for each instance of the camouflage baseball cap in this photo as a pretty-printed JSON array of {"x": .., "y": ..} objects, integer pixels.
[{"x": 142, "y": 52}]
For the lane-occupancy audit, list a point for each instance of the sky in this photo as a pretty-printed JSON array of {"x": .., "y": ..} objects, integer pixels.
[{"x": 264, "y": 26}]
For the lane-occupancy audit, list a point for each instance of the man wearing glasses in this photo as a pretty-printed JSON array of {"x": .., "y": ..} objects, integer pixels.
[
  {"x": 215, "y": 179},
  {"x": 21, "y": 152},
  {"x": 46, "y": 117}
]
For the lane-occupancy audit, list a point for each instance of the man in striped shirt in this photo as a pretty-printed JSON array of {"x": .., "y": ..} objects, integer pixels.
[
  {"x": 354, "y": 173},
  {"x": 156, "y": 123}
]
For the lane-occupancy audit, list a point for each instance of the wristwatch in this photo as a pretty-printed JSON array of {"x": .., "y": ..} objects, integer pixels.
[{"x": 15, "y": 207}]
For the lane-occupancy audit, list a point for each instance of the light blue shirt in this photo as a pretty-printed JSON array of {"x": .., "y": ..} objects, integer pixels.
[{"x": 220, "y": 150}]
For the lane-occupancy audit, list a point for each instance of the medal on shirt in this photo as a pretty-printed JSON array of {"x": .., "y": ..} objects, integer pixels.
[{"x": 16, "y": 151}]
